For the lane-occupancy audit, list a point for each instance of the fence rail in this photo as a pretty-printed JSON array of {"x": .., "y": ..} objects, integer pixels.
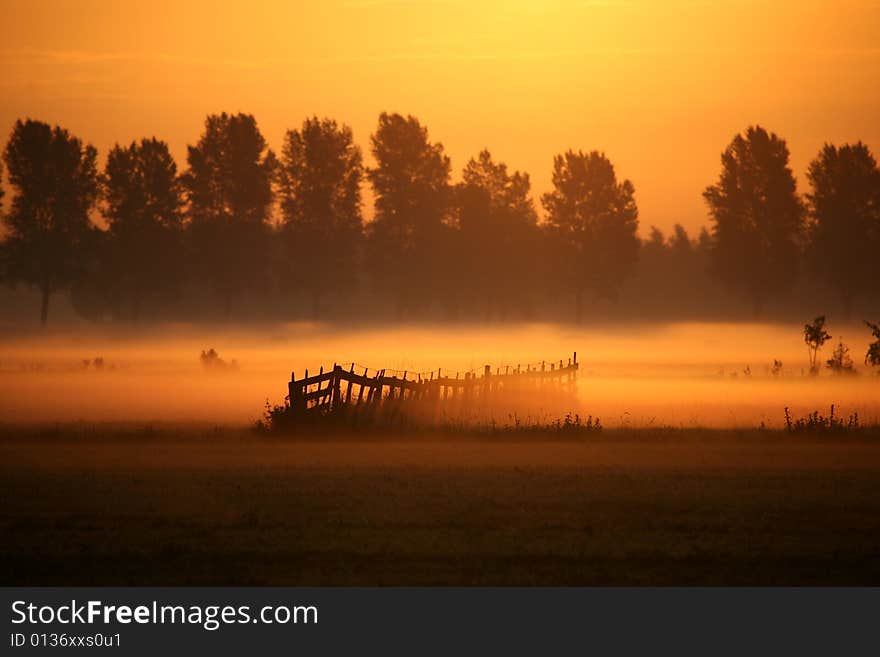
[{"x": 344, "y": 391}]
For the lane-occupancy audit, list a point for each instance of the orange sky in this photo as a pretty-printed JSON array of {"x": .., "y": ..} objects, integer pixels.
[{"x": 661, "y": 87}]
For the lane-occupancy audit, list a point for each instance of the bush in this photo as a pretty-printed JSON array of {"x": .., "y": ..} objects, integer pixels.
[
  {"x": 816, "y": 422},
  {"x": 872, "y": 357},
  {"x": 840, "y": 361}
]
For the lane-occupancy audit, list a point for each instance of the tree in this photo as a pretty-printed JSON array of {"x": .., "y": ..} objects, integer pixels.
[
  {"x": 872, "y": 357},
  {"x": 55, "y": 185},
  {"x": 845, "y": 213},
  {"x": 680, "y": 242},
  {"x": 757, "y": 217},
  {"x": 656, "y": 240},
  {"x": 594, "y": 218},
  {"x": 3, "y": 274},
  {"x": 229, "y": 189},
  {"x": 840, "y": 361},
  {"x": 320, "y": 177},
  {"x": 143, "y": 199},
  {"x": 412, "y": 195},
  {"x": 815, "y": 336},
  {"x": 497, "y": 226}
]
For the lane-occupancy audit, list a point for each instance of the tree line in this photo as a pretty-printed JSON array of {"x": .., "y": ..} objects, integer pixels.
[{"x": 242, "y": 222}]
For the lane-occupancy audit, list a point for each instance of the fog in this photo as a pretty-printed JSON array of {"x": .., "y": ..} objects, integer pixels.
[{"x": 681, "y": 375}]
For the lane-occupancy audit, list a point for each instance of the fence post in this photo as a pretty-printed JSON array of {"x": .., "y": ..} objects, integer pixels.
[
  {"x": 295, "y": 392},
  {"x": 361, "y": 389},
  {"x": 305, "y": 390},
  {"x": 348, "y": 387},
  {"x": 336, "y": 402},
  {"x": 400, "y": 390}
]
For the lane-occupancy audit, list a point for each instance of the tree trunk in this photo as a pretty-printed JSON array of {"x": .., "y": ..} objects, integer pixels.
[{"x": 44, "y": 306}]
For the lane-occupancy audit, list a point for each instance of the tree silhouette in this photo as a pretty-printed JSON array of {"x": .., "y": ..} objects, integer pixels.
[
  {"x": 412, "y": 195},
  {"x": 320, "y": 177},
  {"x": 680, "y": 241},
  {"x": 594, "y": 218},
  {"x": 845, "y": 212},
  {"x": 497, "y": 228},
  {"x": 840, "y": 361},
  {"x": 670, "y": 276},
  {"x": 757, "y": 217},
  {"x": 872, "y": 356},
  {"x": 144, "y": 204},
  {"x": 3, "y": 257},
  {"x": 815, "y": 336},
  {"x": 229, "y": 189},
  {"x": 55, "y": 185}
]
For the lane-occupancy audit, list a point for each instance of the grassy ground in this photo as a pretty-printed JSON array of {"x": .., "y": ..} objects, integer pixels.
[{"x": 114, "y": 506}]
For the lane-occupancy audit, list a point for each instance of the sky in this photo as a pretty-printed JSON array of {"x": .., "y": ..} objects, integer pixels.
[{"x": 660, "y": 87}]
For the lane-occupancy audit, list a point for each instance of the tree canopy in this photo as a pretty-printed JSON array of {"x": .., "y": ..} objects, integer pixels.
[
  {"x": 412, "y": 196},
  {"x": 55, "y": 186},
  {"x": 497, "y": 226},
  {"x": 287, "y": 238},
  {"x": 229, "y": 189},
  {"x": 144, "y": 211},
  {"x": 594, "y": 218},
  {"x": 757, "y": 217},
  {"x": 320, "y": 197},
  {"x": 845, "y": 212}
]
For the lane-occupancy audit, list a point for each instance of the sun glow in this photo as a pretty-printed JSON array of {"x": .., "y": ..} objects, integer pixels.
[{"x": 661, "y": 87}]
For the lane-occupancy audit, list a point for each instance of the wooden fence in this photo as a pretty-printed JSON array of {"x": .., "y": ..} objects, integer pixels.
[{"x": 341, "y": 391}]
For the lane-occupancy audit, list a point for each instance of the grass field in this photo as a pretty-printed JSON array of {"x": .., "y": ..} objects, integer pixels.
[{"x": 117, "y": 506}]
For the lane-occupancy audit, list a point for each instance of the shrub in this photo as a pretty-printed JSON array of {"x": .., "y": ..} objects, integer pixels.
[
  {"x": 776, "y": 370},
  {"x": 815, "y": 336},
  {"x": 840, "y": 361},
  {"x": 211, "y": 361},
  {"x": 816, "y": 422},
  {"x": 872, "y": 357}
]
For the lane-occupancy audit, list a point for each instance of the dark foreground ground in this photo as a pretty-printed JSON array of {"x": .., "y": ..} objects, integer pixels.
[{"x": 103, "y": 506}]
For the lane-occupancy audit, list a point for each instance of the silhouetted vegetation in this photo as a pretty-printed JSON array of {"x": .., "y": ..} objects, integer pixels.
[
  {"x": 497, "y": 231},
  {"x": 55, "y": 185},
  {"x": 144, "y": 210},
  {"x": 815, "y": 336},
  {"x": 872, "y": 357},
  {"x": 816, "y": 422},
  {"x": 320, "y": 199},
  {"x": 412, "y": 199},
  {"x": 211, "y": 361},
  {"x": 286, "y": 238},
  {"x": 845, "y": 212},
  {"x": 840, "y": 362},
  {"x": 757, "y": 218},
  {"x": 229, "y": 190},
  {"x": 594, "y": 219}
]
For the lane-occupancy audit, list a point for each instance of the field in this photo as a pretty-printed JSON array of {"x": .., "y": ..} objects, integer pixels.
[{"x": 102, "y": 505}]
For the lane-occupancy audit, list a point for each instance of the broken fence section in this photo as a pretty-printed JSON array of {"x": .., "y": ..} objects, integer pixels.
[{"x": 348, "y": 393}]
